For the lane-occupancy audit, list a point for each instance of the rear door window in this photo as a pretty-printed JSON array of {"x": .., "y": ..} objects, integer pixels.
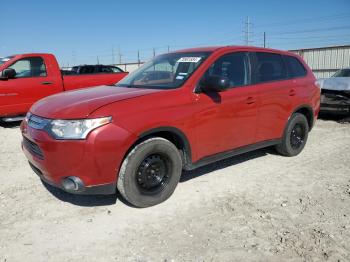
[
  {"x": 269, "y": 67},
  {"x": 295, "y": 68},
  {"x": 29, "y": 67},
  {"x": 116, "y": 69},
  {"x": 104, "y": 70},
  {"x": 87, "y": 70}
]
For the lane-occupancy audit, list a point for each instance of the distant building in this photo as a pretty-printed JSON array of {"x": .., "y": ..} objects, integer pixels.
[{"x": 325, "y": 61}]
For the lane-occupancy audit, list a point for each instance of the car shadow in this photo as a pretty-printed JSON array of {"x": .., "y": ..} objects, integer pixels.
[
  {"x": 235, "y": 160},
  {"x": 10, "y": 124},
  {"x": 81, "y": 200},
  {"x": 340, "y": 118}
]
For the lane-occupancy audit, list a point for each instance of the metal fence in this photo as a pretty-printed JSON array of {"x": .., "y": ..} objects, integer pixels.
[{"x": 325, "y": 61}]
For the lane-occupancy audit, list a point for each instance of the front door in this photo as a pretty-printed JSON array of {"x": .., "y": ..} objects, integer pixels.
[
  {"x": 227, "y": 120},
  {"x": 31, "y": 83}
]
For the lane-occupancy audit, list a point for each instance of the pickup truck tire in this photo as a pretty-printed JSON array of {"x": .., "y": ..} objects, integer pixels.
[
  {"x": 295, "y": 136},
  {"x": 150, "y": 172}
]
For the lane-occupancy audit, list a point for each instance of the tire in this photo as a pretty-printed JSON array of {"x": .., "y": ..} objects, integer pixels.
[
  {"x": 295, "y": 136},
  {"x": 150, "y": 172}
]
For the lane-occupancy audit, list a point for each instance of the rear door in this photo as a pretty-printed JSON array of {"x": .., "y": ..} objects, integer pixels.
[
  {"x": 33, "y": 81},
  {"x": 227, "y": 120},
  {"x": 276, "y": 93}
]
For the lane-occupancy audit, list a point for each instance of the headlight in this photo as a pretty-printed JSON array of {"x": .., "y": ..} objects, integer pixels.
[
  {"x": 28, "y": 115},
  {"x": 76, "y": 129}
]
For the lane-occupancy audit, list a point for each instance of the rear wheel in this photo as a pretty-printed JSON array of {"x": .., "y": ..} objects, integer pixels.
[
  {"x": 295, "y": 136},
  {"x": 150, "y": 172}
]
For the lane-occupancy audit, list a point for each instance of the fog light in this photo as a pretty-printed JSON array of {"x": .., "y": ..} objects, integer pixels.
[{"x": 72, "y": 184}]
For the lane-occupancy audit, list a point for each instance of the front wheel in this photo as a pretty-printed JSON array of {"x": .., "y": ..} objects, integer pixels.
[
  {"x": 150, "y": 172},
  {"x": 295, "y": 136}
]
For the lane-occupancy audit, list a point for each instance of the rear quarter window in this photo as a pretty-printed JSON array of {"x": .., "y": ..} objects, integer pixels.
[
  {"x": 269, "y": 67},
  {"x": 295, "y": 67}
]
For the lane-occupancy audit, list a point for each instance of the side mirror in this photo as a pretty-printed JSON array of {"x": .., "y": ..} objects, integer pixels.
[
  {"x": 8, "y": 73},
  {"x": 214, "y": 83}
]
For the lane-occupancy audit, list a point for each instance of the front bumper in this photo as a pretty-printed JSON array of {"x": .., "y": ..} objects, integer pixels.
[
  {"x": 94, "y": 161},
  {"x": 107, "y": 189},
  {"x": 335, "y": 101}
]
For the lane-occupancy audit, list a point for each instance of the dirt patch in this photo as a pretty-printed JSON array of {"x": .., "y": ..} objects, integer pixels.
[{"x": 257, "y": 206}]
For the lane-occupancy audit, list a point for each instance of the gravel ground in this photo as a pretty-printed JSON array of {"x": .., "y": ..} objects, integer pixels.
[{"x": 255, "y": 207}]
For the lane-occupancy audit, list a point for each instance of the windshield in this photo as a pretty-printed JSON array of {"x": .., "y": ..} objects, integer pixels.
[
  {"x": 5, "y": 59},
  {"x": 166, "y": 71},
  {"x": 342, "y": 73}
]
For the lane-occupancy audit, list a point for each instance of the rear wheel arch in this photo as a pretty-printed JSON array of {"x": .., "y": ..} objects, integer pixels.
[{"x": 307, "y": 111}]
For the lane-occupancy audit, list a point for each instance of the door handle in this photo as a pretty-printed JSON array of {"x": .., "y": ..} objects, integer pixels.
[
  {"x": 46, "y": 83},
  {"x": 250, "y": 100},
  {"x": 292, "y": 92}
]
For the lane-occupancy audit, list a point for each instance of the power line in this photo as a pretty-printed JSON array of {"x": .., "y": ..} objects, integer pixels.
[{"x": 306, "y": 20}]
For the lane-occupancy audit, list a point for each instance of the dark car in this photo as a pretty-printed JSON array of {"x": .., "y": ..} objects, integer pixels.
[
  {"x": 335, "y": 92},
  {"x": 95, "y": 69}
]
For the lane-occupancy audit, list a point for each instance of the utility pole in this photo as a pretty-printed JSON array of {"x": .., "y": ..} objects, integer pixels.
[
  {"x": 168, "y": 49},
  {"x": 138, "y": 57},
  {"x": 74, "y": 57},
  {"x": 120, "y": 55},
  {"x": 98, "y": 61},
  {"x": 247, "y": 32},
  {"x": 154, "y": 52},
  {"x": 113, "y": 55},
  {"x": 264, "y": 39}
]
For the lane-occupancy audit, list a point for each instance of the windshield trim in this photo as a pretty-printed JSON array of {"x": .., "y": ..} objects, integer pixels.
[{"x": 162, "y": 87}]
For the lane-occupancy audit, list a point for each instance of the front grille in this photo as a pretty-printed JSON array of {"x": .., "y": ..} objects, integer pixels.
[
  {"x": 33, "y": 148},
  {"x": 37, "y": 122}
]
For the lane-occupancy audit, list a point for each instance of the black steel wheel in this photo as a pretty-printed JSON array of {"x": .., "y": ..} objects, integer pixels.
[
  {"x": 153, "y": 174},
  {"x": 150, "y": 172},
  {"x": 295, "y": 136}
]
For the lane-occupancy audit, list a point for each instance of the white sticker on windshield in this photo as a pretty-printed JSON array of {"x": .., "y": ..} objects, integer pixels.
[
  {"x": 189, "y": 60},
  {"x": 180, "y": 77}
]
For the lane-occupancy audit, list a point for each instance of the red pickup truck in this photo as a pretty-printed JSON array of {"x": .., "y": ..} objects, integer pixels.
[{"x": 26, "y": 78}]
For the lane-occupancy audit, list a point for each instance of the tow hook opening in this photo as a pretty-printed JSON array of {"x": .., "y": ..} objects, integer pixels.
[{"x": 73, "y": 184}]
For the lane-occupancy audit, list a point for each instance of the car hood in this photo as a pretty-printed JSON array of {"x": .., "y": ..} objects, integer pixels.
[
  {"x": 335, "y": 83},
  {"x": 80, "y": 103}
]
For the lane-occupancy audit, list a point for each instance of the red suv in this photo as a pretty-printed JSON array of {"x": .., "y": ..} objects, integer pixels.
[{"x": 179, "y": 111}]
